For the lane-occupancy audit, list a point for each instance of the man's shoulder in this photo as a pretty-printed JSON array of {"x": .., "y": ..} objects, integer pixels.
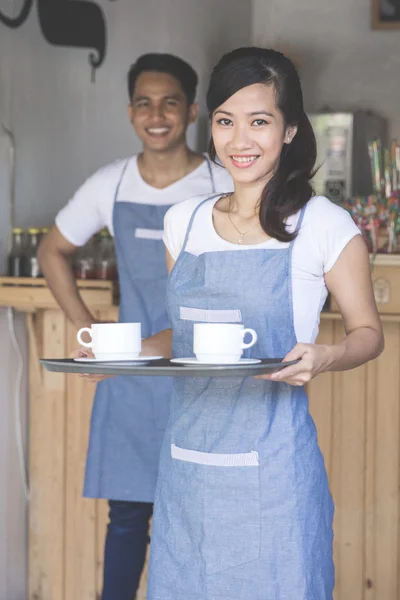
[{"x": 112, "y": 170}]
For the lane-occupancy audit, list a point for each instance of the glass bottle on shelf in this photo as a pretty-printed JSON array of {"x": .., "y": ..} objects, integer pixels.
[
  {"x": 16, "y": 256},
  {"x": 43, "y": 232},
  {"x": 83, "y": 261},
  {"x": 30, "y": 262},
  {"x": 105, "y": 262}
]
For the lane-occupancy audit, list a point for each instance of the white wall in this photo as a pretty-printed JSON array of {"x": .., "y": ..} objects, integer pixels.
[
  {"x": 65, "y": 128},
  {"x": 344, "y": 63}
]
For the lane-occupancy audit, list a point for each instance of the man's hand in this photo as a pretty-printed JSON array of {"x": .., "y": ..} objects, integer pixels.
[{"x": 91, "y": 377}]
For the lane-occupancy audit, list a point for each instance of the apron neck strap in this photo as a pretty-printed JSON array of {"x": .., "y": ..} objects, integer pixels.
[
  {"x": 300, "y": 219},
  {"x": 121, "y": 179},
  {"x": 193, "y": 216}
]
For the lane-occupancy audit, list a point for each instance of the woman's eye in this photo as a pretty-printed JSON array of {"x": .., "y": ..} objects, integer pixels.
[
  {"x": 259, "y": 122},
  {"x": 224, "y": 122}
]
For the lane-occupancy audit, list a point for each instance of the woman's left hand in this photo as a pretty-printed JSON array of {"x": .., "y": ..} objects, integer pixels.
[{"x": 313, "y": 359}]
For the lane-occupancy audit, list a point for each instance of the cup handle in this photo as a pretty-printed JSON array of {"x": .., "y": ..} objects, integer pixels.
[
  {"x": 79, "y": 337},
  {"x": 253, "y": 336}
]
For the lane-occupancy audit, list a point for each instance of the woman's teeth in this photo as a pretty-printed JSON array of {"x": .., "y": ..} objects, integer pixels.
[{"x": 244, "y": 159}]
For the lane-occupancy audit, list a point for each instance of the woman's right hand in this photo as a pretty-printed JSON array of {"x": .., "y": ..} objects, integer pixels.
[{"x": 91, "y": 377}]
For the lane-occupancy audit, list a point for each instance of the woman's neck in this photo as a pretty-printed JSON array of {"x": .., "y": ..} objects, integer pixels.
[
  {"x": 245, "y": 200},
  {"x": 247, "y": 196}
]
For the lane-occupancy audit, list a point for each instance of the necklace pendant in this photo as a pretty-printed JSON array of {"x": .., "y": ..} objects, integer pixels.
[{"x": 241, "y": 238}]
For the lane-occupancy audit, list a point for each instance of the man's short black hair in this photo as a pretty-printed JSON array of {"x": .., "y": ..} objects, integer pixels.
[{"x": 165, "y": 63}]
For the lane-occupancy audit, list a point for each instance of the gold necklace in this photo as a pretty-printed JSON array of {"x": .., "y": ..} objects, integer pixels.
[{"x": 240, "y": 240}]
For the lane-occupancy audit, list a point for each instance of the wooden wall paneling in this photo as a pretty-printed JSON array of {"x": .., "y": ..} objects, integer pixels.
[
  {"x": 47, "y": 459},
  {"x": 347, "y": 479},
  {"x": 387, "y": 482},
  {"x": 81, "y": 534},
  {"x": 372, "y": 396}
]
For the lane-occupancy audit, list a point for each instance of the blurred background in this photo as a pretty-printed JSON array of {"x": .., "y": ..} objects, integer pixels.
[{"x": 62, "y": 118}]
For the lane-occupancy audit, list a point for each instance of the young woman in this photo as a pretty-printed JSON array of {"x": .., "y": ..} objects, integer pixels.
[{"x": 243, "y": 510}]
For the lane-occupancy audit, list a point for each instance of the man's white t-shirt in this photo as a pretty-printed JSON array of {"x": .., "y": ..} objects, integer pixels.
[
  {"x": 91, "y": 208},
  {"x": 325, "y": 232}
]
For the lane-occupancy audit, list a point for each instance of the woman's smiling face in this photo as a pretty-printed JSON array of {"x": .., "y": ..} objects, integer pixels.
[{"x": 249, "y": 131}]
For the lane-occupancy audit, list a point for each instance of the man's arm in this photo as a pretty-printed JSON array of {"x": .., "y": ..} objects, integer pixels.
[{"x": 53, "y": 255}]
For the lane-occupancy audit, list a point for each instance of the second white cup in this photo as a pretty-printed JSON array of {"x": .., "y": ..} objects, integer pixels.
[
  {"x": 113, "y": 341},
  {"x": 221, "y": 343}
]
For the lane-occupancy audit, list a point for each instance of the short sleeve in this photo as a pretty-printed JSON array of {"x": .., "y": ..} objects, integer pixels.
[
  {"x": 332, "y": 229},
  {"x": 91, "y": 207},
  {"x": 176, "y": 223}
]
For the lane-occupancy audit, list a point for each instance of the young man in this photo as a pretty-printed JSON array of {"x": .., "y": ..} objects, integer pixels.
[{"x": 131, "y": 197}]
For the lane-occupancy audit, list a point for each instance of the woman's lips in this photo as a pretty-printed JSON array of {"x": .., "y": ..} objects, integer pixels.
[{"x": 244, "y": 161}]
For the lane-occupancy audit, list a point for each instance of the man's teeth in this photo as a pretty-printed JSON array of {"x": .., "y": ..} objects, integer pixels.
[
  {"x": 158, "y": 130},
  {"x": 244, "y": 159}
]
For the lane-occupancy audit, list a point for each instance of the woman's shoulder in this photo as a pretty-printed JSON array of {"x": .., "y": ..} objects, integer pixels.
[
  {"x": 181, "y": 212},
  {"x": 321, "y": 208},
  {"x": 177, "y": 219},
  {"x": 327, "y": 228}
]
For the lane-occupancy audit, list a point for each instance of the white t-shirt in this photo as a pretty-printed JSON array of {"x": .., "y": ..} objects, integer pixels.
[
  {"x": 325, "y": 231},
  {"x": 91, "y": 208}
]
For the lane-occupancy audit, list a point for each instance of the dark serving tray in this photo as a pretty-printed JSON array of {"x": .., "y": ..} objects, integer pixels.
[{"x": 164, "y": 367}]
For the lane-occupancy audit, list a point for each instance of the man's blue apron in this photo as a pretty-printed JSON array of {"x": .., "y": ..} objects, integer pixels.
[{"x": 130, "y": 413}]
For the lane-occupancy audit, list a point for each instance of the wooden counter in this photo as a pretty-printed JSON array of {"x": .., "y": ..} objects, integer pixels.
[{"x": 357, "y": 414}]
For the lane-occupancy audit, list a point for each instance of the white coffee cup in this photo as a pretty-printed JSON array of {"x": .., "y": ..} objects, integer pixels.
[
  {"x": 113, "y": 341},
  {"x": 221, "y": 343}
]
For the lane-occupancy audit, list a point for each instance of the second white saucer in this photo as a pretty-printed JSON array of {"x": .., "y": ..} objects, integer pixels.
[{"x": 195, "y": 361}]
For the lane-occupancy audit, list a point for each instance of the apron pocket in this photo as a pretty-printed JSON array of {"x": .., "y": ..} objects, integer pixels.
[
  {"x": 203, "y": 315},
  {"x": 232, "y": 520}
]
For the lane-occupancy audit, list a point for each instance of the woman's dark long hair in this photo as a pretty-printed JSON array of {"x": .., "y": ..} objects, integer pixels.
[{"x": 289, "y": 189}]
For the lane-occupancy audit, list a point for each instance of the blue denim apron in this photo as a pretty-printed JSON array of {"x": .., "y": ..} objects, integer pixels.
[
  {"x": 243, "y": 509},
  {"x": 130, "y": 413}
]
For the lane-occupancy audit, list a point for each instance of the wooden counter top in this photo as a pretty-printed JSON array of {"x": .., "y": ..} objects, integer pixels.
[{"x": 26, "y": 294}]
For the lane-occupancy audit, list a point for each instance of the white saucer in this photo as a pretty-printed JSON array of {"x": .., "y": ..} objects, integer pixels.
[
  {"x": 195, "y": 361},
  {"x": 137, "y": 360}
]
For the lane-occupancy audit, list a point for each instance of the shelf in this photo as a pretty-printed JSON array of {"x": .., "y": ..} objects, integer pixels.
[
  {"x": 385, "y": 260},
  {"x": 28, "y": 294},
  {"x": 336, "y": 316}
]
